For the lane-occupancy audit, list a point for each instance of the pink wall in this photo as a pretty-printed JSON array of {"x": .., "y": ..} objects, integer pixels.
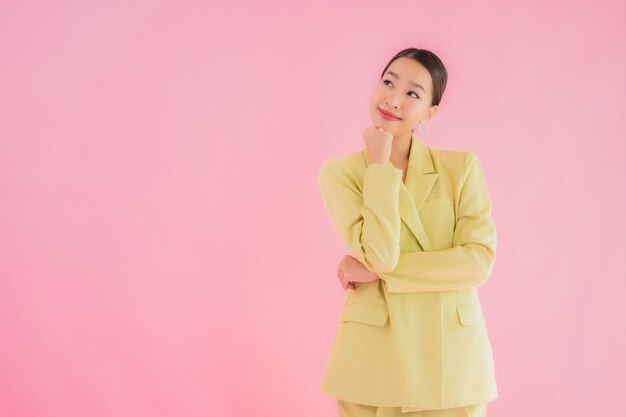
[{"x": 164, "y": 247}]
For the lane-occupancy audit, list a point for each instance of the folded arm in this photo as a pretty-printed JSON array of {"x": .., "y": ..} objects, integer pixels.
[{"x": 470, "y": 260}]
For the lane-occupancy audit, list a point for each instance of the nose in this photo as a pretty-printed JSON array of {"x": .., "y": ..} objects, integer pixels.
[{"x": 393, "y": 101}]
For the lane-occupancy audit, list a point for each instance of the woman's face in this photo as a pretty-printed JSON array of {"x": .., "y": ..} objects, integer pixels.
[{"x": 398, "y": 94}]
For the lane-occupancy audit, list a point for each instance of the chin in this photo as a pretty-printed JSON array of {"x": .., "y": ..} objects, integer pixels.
[{"x": 377, "y": 124}]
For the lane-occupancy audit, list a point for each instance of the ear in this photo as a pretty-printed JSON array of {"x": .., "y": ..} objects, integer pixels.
[{"x": 432, "y": 111}]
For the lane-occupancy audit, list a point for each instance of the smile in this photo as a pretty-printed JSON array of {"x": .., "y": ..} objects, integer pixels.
[{"x": 388, "y": 116}]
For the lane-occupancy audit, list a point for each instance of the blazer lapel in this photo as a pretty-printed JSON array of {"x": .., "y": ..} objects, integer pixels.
[{"x": 420, "y": 178}]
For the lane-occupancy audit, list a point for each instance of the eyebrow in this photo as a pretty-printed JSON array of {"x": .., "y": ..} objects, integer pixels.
[{"x": 393, "y": 74}]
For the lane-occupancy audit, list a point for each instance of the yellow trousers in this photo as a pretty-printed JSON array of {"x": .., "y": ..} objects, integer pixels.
[{"x": 348, "y": 409}]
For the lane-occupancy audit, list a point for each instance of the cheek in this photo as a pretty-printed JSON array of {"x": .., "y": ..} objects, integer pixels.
[
  {"x": 412, "y": 112},
  {"x": 375, "y": 99},
  {"x": 379, "y": 95}
]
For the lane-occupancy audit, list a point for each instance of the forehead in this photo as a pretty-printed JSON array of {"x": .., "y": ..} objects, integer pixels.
[{"x": 411, "y": 70}]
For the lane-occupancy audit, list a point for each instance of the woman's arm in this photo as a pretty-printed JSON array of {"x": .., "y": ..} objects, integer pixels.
[
  {"x": 470, "y": 261},
  {"x": 367, "y": 221}
]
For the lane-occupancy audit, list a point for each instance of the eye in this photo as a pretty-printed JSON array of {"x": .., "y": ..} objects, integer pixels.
[{"x": 390, "y": 83}]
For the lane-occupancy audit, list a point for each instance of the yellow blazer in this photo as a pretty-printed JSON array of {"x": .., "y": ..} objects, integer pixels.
[{"x": 416, "y": 337}]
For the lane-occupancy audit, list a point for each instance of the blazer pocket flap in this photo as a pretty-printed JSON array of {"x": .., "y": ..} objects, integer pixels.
[
  {"x": 365, "y": 313},
  {"x": 470, "y": 314}
]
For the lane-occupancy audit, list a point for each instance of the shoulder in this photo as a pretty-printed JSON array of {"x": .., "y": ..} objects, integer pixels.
[
  {"x": 453, "y": 159},
  {"x": 349, "y": 166},
  {"x": 449, "y": 156}
]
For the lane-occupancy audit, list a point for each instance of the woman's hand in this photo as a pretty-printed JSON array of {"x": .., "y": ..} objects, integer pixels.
[
  {"x": 350, "y": 270},
  {"x": 378, "y": 143}
]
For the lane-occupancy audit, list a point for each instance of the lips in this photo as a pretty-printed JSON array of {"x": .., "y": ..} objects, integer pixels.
[{"x": 388, "y": 115}]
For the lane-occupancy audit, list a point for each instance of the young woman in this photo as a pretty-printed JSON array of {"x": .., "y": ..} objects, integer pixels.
[{"x": 411, "y": 339}]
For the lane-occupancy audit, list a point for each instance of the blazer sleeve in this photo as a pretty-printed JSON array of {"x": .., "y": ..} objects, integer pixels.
[
  {"x": 367, "y": 218},
  {"x": 469, "y": 262}
]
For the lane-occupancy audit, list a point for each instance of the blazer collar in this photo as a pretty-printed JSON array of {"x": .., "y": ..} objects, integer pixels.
[{"x": 420, "y": 178}]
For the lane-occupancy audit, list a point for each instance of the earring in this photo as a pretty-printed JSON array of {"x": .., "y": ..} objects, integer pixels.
[{"x": 422, "y": 127}]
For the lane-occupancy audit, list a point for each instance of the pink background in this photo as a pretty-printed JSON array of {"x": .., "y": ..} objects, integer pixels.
[{"x": 164, "y": 247}]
